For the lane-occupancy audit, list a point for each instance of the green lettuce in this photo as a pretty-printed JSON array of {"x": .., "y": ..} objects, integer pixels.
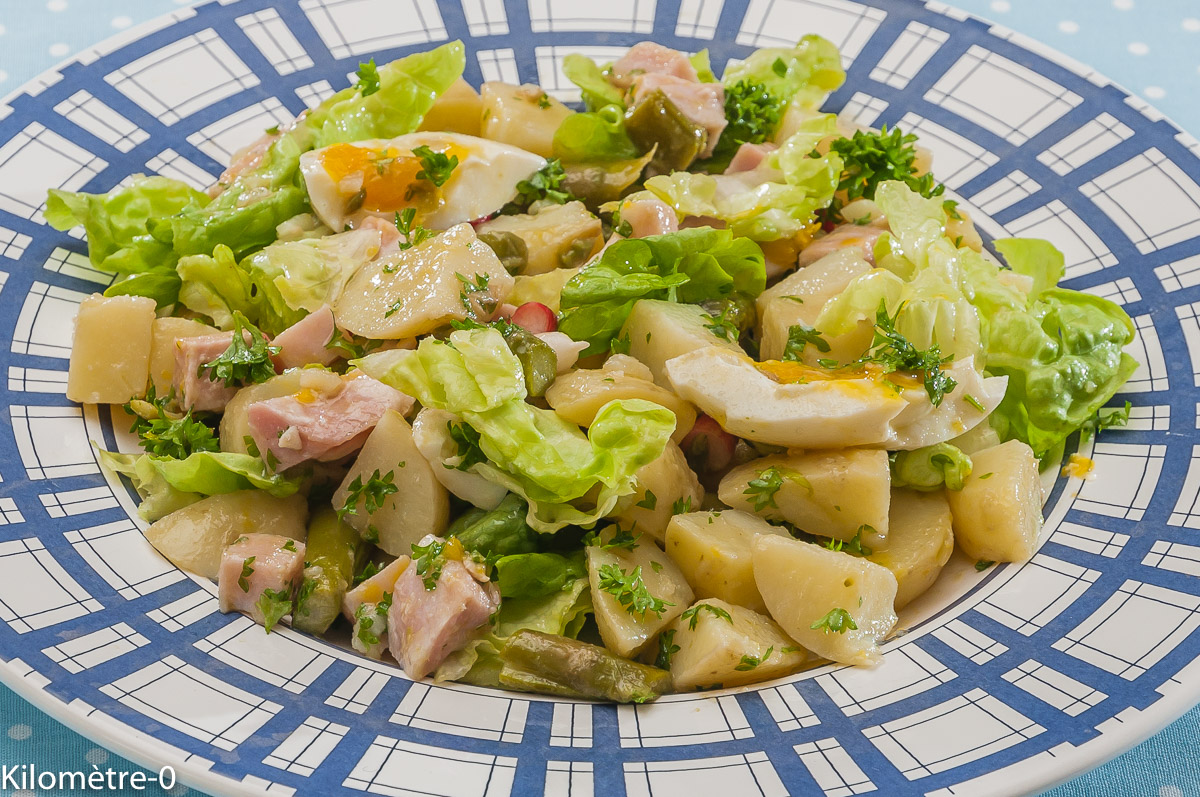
[
  {"x": 805, "y": 74},
  {"x": 532, "y": 452},
  {"x": 931, "y": 468},
  {"x": 166, "y": 484},
  {"x": 597, "y": 91},
  {"x": 303, "y": 275},
  {"x": 217, "y": 286},
  {"x": 692, "y": 266},
  {"x": 763, "y": 210},
  {"x": 498, "y": 532},
  {"x": 702, "y": 63},
  {"x": 598, "y": 136},
  {"x": 533, "y": 575}
]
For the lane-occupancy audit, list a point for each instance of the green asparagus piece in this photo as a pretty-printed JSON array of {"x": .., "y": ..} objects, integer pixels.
[
  {"x": 656, "y": 121},
  {"x": 555, "y": 665},
  {"x": 333, "y": 550}
]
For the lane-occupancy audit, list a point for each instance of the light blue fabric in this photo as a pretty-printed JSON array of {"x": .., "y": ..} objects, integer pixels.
[{"x": 1148, "y": 46}]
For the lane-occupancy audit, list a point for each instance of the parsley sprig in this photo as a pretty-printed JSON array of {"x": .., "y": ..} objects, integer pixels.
[
  {"x": 722, "y": 326},
  {"x": 372, "y": 493},
  {"x": 545, "y": 184},
  {"x": 275, "y": 604},
  {"x": 666, "y": 649},
  {"x": 436, "y": 167},
  {"x": 894, "y": 352},
  {"x": 692, "y": 615},
  {"x": 630, "y": 591},
  {"x": 800, "y": 336},
  {"x": 837, "y": 621},
  {"x": 854, "y": 545},
  {"x": 429, "y": 561},
  {"x": 749, "y": 662},
  {"x": 414, "y": 234},
  {"x": 762, "y": 489},
  {"x": 751, "y": 113},
  {"x": 871, "y": 158},
  {"x": 368, "y": 78},
  {"x": 165, "y": 434},
  {"x": 241, "y": 364}
]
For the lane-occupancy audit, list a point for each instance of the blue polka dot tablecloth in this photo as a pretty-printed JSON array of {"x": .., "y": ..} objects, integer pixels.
[{"x": 1148, "y": 46}]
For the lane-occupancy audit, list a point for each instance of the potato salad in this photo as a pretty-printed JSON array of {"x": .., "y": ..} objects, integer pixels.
[{"x": 692, "y": 386}]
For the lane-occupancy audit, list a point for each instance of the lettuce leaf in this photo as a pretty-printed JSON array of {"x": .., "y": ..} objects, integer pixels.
[
  {"x": 597, "y": 91},
  {"x": 598, "y": 136},
  {"x": 931, "y": 468},
  {"x": 499, "y": 532},
  {"x": 166, "y": 484},
  {"x": 303, "y": 275},
  {"x": 691, "y": 265},
  {"x": 762, "y": 206},
  {"x": 533, "y": 575},
  {"x": 217, "y": 286},
  {"x": 702, "y": 63},
  {"x": 532, "y": 452},
  {"x": 810, "y": 71},
  {"x": 1036, "y": 259}
]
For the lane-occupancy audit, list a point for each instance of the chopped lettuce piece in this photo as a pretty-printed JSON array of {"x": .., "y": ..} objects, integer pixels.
[
  {"x": 303, "y": 275},
  {"x": 597, "y": 91},
  {"x": 532, "y": 575},
  {"x": 1036, "y": 259},
  {"x": 805, "y": 74},
  {"x": 499, "y": 532},
  {"x": 598, "y": 136},
  {"x": 931, "y": 468},
  {"x": 217, "y": 286},
  {"x": 692, "y": 266},
  {"x": 532, "y": 452}
]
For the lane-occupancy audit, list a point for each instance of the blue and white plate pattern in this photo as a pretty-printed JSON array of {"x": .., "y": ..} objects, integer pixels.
[{"x": 1005, "y": 682}]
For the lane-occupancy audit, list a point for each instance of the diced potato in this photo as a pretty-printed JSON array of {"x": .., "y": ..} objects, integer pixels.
[
  {"x": 627, "y": 633},
  {"x": 717, "y": 652},
  {"x": 420, "y": 504},
  {"x": 714, "y": 550},
  {"x": 164, "y": 332},
  {"x": 194, "y": 537},
  {"x": 235, "y": 425},
  {"x": 812, "y": 592},
  {"x": 659, "y": 330},
  {"x": 420, "y": 289},
  {"x": 545, "y": 288},
  {"x": 828, "y": 493},
  {"x": 579, "y": 395},
  {"x": 559, "y": 236},
  {"x": 798, "y": 299},
  {"x": 458, "y": 110},
  {"x": 670, "y": 480},
  {"x": 523, "y": 116},
  {"x": 998, "y": 512},
  {"x": 918, "y": 544},
  {"x": 110, "y": 356}
]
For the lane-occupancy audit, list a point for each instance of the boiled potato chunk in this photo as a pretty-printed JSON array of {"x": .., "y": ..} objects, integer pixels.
[
  {"x": 624, "y": 632},
  {"x": 235, "y": 424},
  {"x": 420, "y": 289},
  {"x": 661, "y": 485},
  {"x": 737, "y": 647},
  {"x": 458, "y": 110},
  {"x": 110, "y": 356},
  {"x": 559, "y": 236},
  {"x": 798, "y": 299},
  {"x": 523, "y": 116},
  {"x": 998, "y": 512},
  {"x": 714, "y": 550},
  {"x": 579, "y": 395},
  {"x": 194, "y": 537},
  {"x": 828, "y": 493},
  {"x": 164, "y": 333},
  {"x": 812, "y": 592},
  {"x": 420, "y": 504},
  {"x": 919, "y": 542},
  {"x": 659, "y": 331},
  {"x": 545, "y": 288}
]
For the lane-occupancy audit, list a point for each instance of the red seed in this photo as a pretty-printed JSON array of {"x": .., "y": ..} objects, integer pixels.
[
  {"x": 708, "y": 446},
  {"x": 535, "y": 317}
]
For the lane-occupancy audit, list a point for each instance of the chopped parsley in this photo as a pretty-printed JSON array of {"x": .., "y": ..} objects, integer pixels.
[
  {"x": 373, "y": 492},
  {"x": 622, "y": 538},
  {"x": 681, "y": 506},
  {"x": 368, "y": 78},
  {"x": 951, "y": 208},
  {"x": 274, "y": 605},
  {"x": 414, "y": 235},
  {"x": 762, "y": 489},
  {"x": 542, "y": 101},
  {"x": 370, "y": 569},
  {"x": 1113, "y": 417},
  {"x": 545, "y": 184},
  {"x": 751, "y": 113},
  {"x": 630, "y": 591},
  {"x": 620, "y": 345},
  {"x": 307, "y": 587},
  {"x": 241, "y": 364},
  {"x": 983, "y": 564},
  {"x": 799, "y": 337},
  {"x": 722, "y": 326},
  {"x": 871, "y": 158},
  {"x": 974, "y": 402},
  {"x": 247, "y": 571},
  {"x": 666, "y": 649},
  {"x": 692, "y": 615},
  {"x": 428, "y": 560},
  {"x": 436, "y": 167},
  {"x": 467, "y": 439},
  {"x": 166, "y": 434},
  {"x": 854, "y": 545},
  {"x": 364, "y": 620},
  {"x": 290, "y": 545},
  {"x": 894, "y": 352},
  {"x": 649, "y": 502},
  {"x": 837, "y": 621},
  {"x": 469, "y": 295},
  {"x": 749, "y": 662}
]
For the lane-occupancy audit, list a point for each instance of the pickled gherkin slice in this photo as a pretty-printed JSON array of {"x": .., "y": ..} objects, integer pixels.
[{"x": 657, "y": 121}]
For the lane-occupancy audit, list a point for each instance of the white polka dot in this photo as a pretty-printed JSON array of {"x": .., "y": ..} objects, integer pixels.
[
  {"x": 1191, "y": 25},
  {"x": 1155, "y": 92},
  {"x": 3, "y": 76},
  {"x": 56, "y": 5},
  {"x": 1170, "y": 791},
  {"x": 121, "y": 22},
  {"x": 20, "y": 733},
  {"x": 1138, "y": 48},
  {"x": 1122, "y": 5},
  {"x": 1068, "y": 26},
  {"x": 59, "y": 50},
  {"x": 1002, "y": 6},
  {"x": 96, "y": 756}
]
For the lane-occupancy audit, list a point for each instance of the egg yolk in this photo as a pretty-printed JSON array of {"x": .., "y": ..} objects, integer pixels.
[{"x": 389, "y": 176}]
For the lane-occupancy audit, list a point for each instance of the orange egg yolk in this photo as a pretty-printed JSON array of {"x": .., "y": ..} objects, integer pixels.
[{"x": 389, "y": 175}]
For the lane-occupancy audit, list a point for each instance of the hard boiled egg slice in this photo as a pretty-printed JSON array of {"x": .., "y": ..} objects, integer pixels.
[{"x": 347, "y": 182}]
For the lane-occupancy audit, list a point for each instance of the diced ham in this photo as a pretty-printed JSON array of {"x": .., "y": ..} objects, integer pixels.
[
  {"x": 651, "y": 58},
  {"x": 750, "y": 156},
  {"x": 196, "y": 390},
  {"x": 863, "y": 236},
  {"x": 254, "y": 563},
  {"x": 324, "y": 425},
  {"x": 372, "y": 589},
  {"x": 425, "y": 626},
  {"x": 304, "y": 342},
  {"x": 566, "y": 349},
  {"x": 389, "y": 235},
  {"x": 649, "y": 217},
  {"x": 702, "y": 103}
]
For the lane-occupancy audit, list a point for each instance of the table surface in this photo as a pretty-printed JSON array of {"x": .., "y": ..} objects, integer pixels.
[{"x": 1147, "y": 46}]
